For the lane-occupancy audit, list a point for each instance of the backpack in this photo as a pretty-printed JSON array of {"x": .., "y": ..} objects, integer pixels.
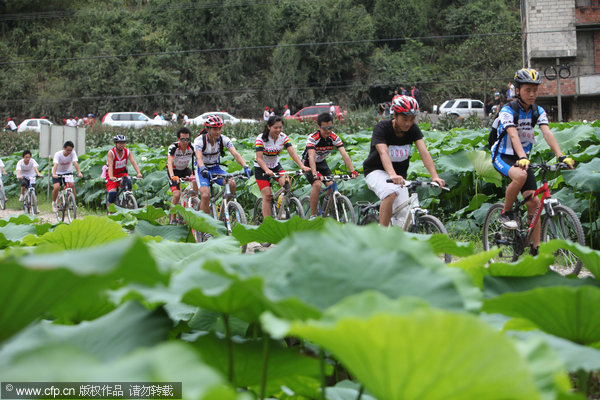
[
  {"x": 493, "y": 136},
  {"x": 205, "y": 140}
]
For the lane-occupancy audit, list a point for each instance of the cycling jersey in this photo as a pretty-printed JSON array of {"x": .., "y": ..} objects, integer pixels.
[
  {"x": 398, "y": 147},
  {"x": 526, "y": 133},
  {"x": 64, "y": 163},
  {"x": 119, "y": 164},
  {"x": 271, "y": 149},
  {"x": 322, "y": 146},
  {"x": 181, "y": 158},
  {"x": 211, "y": 153}
]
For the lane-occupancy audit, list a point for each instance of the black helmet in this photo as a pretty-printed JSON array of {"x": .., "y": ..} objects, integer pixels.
[
  {"x": 527, "y": 75},
  {"x": 119, "y": 138}
]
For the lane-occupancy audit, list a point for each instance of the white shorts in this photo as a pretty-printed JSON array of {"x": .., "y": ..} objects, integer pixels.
[{"x": 376, "y": 181}]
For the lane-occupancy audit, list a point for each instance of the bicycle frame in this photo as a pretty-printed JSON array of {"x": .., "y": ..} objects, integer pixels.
[
  {"x": 226, "y": 195},
  {"x": 544, "y": 193}
]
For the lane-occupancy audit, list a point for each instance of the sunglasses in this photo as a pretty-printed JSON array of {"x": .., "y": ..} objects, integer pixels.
[
  {"x": 327, "y": 128},
  {"x": 184, "y": 139}
]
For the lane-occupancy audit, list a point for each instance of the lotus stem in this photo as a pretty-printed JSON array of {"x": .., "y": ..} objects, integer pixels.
[
  {"x": 229, "y": 346},
  {"x": 322, "y": 365},
  {"x": 265, "y": 364},
  {"x": 360, "y": 392}
]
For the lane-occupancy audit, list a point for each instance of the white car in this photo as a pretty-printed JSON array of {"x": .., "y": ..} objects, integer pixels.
[
  {"x": 131, "y": 120},
  {"x": 33, "y": 124},
  {"x": 463, "y": 108},
  {"x": 227, "y": 118}
]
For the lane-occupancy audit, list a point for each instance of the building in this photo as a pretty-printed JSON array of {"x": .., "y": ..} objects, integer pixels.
[{"x": 563, "y": 36}]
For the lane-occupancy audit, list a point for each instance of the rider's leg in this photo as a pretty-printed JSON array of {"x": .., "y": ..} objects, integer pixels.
[
  {"x": 112, "y": 196},
  {"x": 314, "y": 197},
  {"x": 518, "y": 178},
  {"x": 232, "y": 186},
  {"x": 72, "y": 186},
  {"x": 176, "y": 196},
  {"x": 205, "y": 199},
  {"x": 267, "y": 196},
  {"x": 532, "y": 205},
  {"x": 385, "y": 210},
  {"x": 55, "y": 190}
]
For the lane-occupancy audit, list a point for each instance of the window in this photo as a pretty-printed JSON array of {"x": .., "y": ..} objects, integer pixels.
[
  {"x": 44, "y": 122},
  {"x": 448, "y": 104},
  {"x": 226, "y": 117},
  {"x": 32, "y": 123},
  {"x": 138, "y": 117},
  {"x": 477, "y": 104},
  {"x": 463, "y": 104},
  {"x": 308, "y": 111},
  {"x": 115, "y": 117}
]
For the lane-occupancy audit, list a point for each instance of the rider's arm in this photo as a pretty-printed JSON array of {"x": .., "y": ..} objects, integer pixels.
[
  {"x": 199, "y": 158},
  {"x": 382, "y": 149},
  {"x": 170, "y": 165},
  {"x": 297, "y": 159},
  {"x": 261, "y": 162},
  {"x": 311, "y": 160},
  {"x": 76, "y": 164},
  {"x": 18, "y": 171},
  {"x": 513, "y": 134},
  {"x": 54, "y": 168},
  {"x": 109, "y": 161},
  {"x": 346, "y": 158},
  {"x": 36, "y": 171},
  {"x": 135, "y": 166},
  {"x": 238, "y": 157},
  {"x": 551, "y": 140},
  {"x": 428, "y": 162}
]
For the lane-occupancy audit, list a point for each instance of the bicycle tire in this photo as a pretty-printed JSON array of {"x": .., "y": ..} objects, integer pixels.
[
  {"x": 26, "y": 202},
  {"x": 33, "y": 203},
  {"x": 305, "y": 201},
  {"x": 236, "y": 214},
  {"x": 344, "y": 210},
  {"x": 564, "y": 216},
  {"x": 71, "y": 209},
  {"x": 495, "y": 235},
  {"x": 258, "y": 216},
  {"x": 129, "y": 201},
  {"x": 60, "y": 207},
  {"x": 194, "y": 203},
  {"x": 429, "y": 225},
  {"x": 293, "y": 207},
  {"x": 2, "y": 197},
  {"x": 370, "y": 218}
]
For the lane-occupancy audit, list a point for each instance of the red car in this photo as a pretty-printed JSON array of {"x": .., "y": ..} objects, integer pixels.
[{"x": 312, "y": 112}]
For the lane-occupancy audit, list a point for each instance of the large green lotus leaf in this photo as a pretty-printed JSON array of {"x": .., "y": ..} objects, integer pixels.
[
  {"x": 175, "y": 233},
  {"x": 497, "y": 285},
  {"x": 21, "y": 219},
  {"x": 148, "y": 213},
  {"x": 423, "y": 354},
  {"x": 588, "y": 153},
  {"x": 357, "y": 259},
  {"x": 442, "y": 244},
  {"x": 13, "y": 234},
  {"x": 81, "y": 233},
  {"x": 456, "y": 162},
  {"x": 589, "y": 257},
  {"x": 474, "y": 265},
  {"x": 585, "y": 177},
  {"x": 273, "y": 231},
  {"x": 566, "y": 312},
  {"x": 108, "y": 337},
  {"x": 568, "y": 139},
  {"x": 526, "y": 266},
  {"x": 482, "y": 162},
  {"x": 166, "y": 362},
  {"x": 346, "y": 390},
  {"x": 174, "y": 256},
  {"x": 286, "y": 366},
  {"x": 200, "y": 221}
]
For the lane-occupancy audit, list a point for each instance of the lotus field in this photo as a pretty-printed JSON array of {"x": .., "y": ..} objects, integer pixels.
[{"x": 329, "y": 311}]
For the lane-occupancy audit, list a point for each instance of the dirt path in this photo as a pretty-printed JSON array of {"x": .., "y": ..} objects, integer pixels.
[{"x": 43, "y": 216}]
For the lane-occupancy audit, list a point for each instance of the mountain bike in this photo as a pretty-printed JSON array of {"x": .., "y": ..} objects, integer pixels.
[
  {"x": 66, "y": 205},
  {"x": 223, "y": 205},
  {"x": 335, "y": 204},
  {"x": 30, "y": 198},
  {"x": 418, "y": 219},
  {"x": 125, "y": 197},
  {"x": 284, "y": 204},
  {"x": 189, "y": 197},
  {"x": 559, "y": 222},
  {"x": 2, "y": 195}
]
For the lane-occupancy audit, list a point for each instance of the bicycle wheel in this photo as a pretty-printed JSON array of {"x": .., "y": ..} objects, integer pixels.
[
  {"x": 495, "y": 235},
  {"x": 236, "y": 214},
  {"x": 564, "y": 225},
  {"x": 60, "y": 207},
  {"x": 33, "y": 203},
  {"x": 429, "y": 225},
  {"x": 194, "y": 202},
  {"x": 343, "y": 210},
  {"x": 370, "y": 218},
  {"x": 305, "y": 201},
  {"x": 293, "y": 207},
  {"x": 71, "y": 208},
  {"x": 2, "y": 197},
  {"x": 129, "y": 201},
  {"x": 26, "y": 202}
]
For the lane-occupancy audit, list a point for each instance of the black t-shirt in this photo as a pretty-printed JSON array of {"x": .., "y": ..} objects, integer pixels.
[{"x": 398, "y": 147}]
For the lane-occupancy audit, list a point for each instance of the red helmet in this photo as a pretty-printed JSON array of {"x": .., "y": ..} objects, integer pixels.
[
  {"x": 405, "y": 105},
  {"x": 213, "y": 121}
]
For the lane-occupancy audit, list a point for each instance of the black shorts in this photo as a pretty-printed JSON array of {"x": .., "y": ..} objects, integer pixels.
[
  {"x": 182, "y": 173},
  {"x": 60, "y": 179},
  {"x": 322, "y": 168},
  {"x": 260, "y": 175},
  {"x": 24, "y": 182},
  {"x": 530, "y": 183}
]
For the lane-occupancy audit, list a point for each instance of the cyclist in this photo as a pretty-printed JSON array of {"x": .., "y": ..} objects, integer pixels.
[
  {"x": 27, "y": 168},
  {"x": 209, "y": 147},
  {"x": 180, "y": 154},
  {"x": 389, "y": 157},
  {"x": 64, "y": 160},
  {"x": 510, "y": 153},
  {"x": 268, "y": 146},
  {"x": 318, "y": 146},
  {"x": 116, "y": 159}
]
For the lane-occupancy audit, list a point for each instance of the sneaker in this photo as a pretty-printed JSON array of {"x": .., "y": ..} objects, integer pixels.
[
  {"x": 21, "y": 197},
  {"x": 507, "y": 219},
  {"x": 312, "y": 217},
  {"x": 54, "y": 207},
  {"x": 533, "y": 251}
]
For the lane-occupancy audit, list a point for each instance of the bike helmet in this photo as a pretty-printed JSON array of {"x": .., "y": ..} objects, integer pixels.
[
  {"x": 405, "y": 105},
  {"x": 119, "y": 138},
  {"x": 213, "y": 121},
  {"x": 527, "y": 75}
]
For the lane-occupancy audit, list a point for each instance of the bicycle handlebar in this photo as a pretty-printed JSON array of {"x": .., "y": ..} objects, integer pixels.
[
  {"x": 417, "y": 183},
  {"x": 549, "y": 167},
  {"x": 239, "y": 174},
  {"x": 280, "y": 174},
  {"x": 336, "y": 177}
]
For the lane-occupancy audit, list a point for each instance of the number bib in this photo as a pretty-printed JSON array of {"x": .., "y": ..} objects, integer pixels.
[{"x": 399, "y": 153}]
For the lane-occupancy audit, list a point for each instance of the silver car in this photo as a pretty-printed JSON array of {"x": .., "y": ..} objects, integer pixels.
[
  {"x": 227, "y": 118},
  {"x": 131, "y": 120},
  {"x": 463, "y": 108}
]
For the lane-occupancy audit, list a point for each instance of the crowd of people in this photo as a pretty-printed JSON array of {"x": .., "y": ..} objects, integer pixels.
[
  {"x": 385, "y": 108},
  {"x": 385, "y": 167}
]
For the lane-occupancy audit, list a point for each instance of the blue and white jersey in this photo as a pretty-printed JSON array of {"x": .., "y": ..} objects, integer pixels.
[{"x": 506, "y": 119}]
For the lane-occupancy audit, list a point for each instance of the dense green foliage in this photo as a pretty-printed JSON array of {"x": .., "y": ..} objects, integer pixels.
[{"x": 65, "y": 58}]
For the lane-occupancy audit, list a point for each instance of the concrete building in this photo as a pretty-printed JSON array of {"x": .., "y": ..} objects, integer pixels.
[{"x": 557, "y": 33}]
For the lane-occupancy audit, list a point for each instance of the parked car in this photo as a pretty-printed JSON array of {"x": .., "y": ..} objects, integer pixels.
[
  {"x": 312, "y": 112},
  {"x": 131, "y": 120},
  {"x": 463, "y": 108},
  {"x": 227, "y": 118},
  {"x": 33, "y": 124}
]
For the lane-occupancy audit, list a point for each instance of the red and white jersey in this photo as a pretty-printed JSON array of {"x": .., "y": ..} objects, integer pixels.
[
  {"x": 181, "y": 158},
  {"x": 271, "y": 149},
  {"x": 321, "y": 145},
  {"x": 120, "y": 164}
]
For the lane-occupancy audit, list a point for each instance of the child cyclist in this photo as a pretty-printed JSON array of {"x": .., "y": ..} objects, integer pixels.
[
  {"x": 209, "y": 147},
  {"x": 268, "y": 146},
  {"x": 64, "y": 160},
  {"x": 116, "y": 159},
  {"x": 27, "y": 168},
  {"x": 510, "y": 153}
]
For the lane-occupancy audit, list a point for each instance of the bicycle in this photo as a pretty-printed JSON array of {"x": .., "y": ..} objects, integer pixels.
[
  {"x": 335, "y": 204},
  {"x": 227, "y": 209},
  {"x": 30, "y": 198},
  {"x": 418, "y": 219},
  {"x": 189, "y": 197},
  {"x": 125, "y": 197},
  {"x": 66, "y": 205},
  {"x": 2, "y": 195},
  {"x": 560, "y": 222},
  {"x": 284, "y": 204}
]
